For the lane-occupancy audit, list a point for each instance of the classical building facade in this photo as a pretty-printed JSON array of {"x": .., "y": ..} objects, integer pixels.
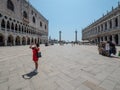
[
  {"x": 21, "y": 23},
  {"x": 107, "y": 28}
]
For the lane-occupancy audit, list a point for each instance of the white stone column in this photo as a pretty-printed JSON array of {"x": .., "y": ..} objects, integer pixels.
[
  {"x": 10, "y": 26},
  {"x": 113, "y": 38},
  {"x": 103, "y": 38},
  {"x": 119, "y": 21},
  {"x": 14, "y": 41},
  {"x": 103, "y": 27},
  {"x": 26, "y": 40},
  {"x": 30, "y": 40},
  {"x": 100, "y": 39},
  {"x": 5, "y": 27},
  {"x": 96, "y": 40},
  {"x": 113, "y": 23},
  {"x": 108, "y": 25},
  {"x": 5, "y": 38},
  {"x": 5, "y": 35},
  {"x": 100, "y": 28},
  {"x": 108, "y": 39},
  {"x": 20, "y": 40}
]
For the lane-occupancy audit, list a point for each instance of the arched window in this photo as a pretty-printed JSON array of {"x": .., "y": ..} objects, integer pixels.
[
  {"x": 3, "y": 23},
  {"x": 25, "y": 14},
  {"x": 22, "y": 29},
  {"x": 12, "y": 27},
  {"x": 33, "y": 19},
  {"x": 0, "y": 15},
  {"x": 10, "y": 5},
  {"x": 19, "y": 28},
  {"x": 40, "y": 23},
  {"x": 25, "y": 29},
  {"x": 16, "y": 27},
  {"x": 8, "y": 25}
]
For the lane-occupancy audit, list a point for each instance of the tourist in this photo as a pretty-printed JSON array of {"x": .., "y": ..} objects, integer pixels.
[
  {"x": 107, "y": 47},
  {"x": 35, "y": 48}
]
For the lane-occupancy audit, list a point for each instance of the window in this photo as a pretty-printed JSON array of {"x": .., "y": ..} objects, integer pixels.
[
  {"x": 10, "y": 19},
  {"x": 6, "y": 17},
  {"x": 8, "y": 25},
  {"x": 22, "y": 29},
  {"x": 33, "y": 19},
  {"x": 40, "y": 23},
  {"x": 110, "y": 22},
  {"x": 101, "y": 27},
  {"x": 106, "y": 26},
  {"x": 116, "y": 22},
  {"x": 19, "y": 28},
  {"x": 12, "y": 26},
  {"x": 35, "y": 14},
  {"x": 98, "y": 28},
  {"x": 16, "y": 27},
  {"x": 10, "y": 5},
  {"x": 25, "y": 15},
  {"x": 32, "y": 12},
  {"x": 0, "y": 15},
  {"x": 45, "y": 27},
  {"x": 3, "y": 24}
]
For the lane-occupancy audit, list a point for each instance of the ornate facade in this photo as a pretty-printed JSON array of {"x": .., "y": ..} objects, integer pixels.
[
  {"x": 21, "y": 23},
  {"x": 107, "y": 28}
]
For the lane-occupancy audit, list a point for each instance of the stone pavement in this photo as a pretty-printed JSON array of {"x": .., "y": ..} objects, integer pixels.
[{"x": 60, "y": 68}]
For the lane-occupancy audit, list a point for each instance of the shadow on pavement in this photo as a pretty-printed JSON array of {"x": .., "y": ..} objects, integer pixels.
[{"x": 29, "y": 75}]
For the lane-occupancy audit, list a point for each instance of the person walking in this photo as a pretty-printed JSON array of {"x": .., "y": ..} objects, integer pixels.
[{"x": 35, "y": 48}]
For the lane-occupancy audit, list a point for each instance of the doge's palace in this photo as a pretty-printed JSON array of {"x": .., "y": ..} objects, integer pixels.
[{"x": 21, "y": 23}]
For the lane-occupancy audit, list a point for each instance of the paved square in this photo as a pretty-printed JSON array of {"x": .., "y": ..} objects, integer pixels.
[{"x": 60, "y": 68}]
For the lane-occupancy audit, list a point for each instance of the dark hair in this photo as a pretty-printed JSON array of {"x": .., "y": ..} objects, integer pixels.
[{"x": 37, "y": 44}]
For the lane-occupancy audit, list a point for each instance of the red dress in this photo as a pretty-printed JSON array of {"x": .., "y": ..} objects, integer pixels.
[{"x": 35, "y": 51}]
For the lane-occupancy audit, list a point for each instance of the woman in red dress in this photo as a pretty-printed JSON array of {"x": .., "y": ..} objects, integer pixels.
[{"x": 35, "y": 48}]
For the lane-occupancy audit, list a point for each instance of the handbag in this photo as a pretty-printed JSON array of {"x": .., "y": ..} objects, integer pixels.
[{"x": 39, "y": 54}]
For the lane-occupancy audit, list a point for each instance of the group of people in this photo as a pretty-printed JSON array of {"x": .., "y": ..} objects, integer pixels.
[{"x": 107, "y": 48}]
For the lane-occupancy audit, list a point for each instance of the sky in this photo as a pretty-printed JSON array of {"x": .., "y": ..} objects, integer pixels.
[{"x": 71, "y": 15}]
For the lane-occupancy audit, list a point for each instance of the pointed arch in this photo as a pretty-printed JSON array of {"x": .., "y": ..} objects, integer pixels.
[
  {"x": 33, "y": 19},
  {"x": 23, "y": 41},
  {"x": 16, "y": 27},
  {"x": 3, "y": 23},
  {"x": 17, "y": 41},
  {"x": 10, "y": 5},
  {"x": 28, "y": 41},
  {"x": 12, "y": 27},
  {"x": 19, "y": 28},
  {"x": 25, "y": 14},
  {"x": 10, "y": 40},
  {"x": 8, "y": 25}
]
